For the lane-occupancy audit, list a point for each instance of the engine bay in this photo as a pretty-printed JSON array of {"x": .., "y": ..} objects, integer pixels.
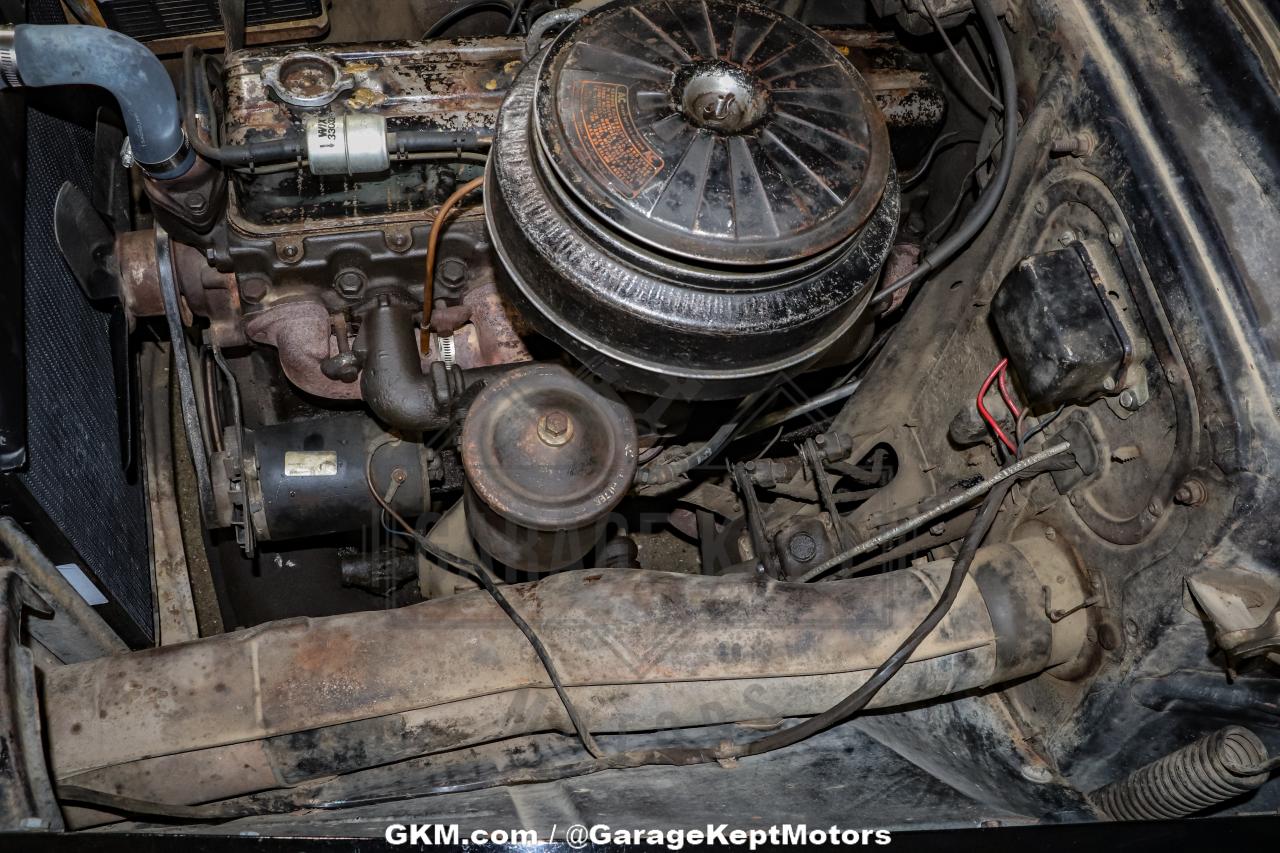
[{"x": 778, "y": 403}]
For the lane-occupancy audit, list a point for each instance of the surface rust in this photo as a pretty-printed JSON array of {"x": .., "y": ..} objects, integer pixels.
[{"x": 632, "y": 645}]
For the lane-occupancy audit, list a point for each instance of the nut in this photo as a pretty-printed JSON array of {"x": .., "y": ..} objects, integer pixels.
[{"x": 1190, "y": 493}]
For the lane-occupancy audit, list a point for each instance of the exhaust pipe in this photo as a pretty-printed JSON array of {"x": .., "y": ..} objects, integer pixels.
[{"x": 305, "y": 698}]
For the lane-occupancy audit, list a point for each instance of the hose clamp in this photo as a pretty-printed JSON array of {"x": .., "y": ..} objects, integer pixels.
[
  {"x": 173, "y": 166},
  {"x": 9, "y": 75},
  {"x": 448, "y": 351}
]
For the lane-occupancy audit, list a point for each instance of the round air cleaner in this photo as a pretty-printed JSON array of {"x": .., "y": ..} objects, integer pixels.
[{"x": 692, "y": 197}]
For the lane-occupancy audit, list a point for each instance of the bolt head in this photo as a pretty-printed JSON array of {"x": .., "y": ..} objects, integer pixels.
[
  {"x": 349, "y": 283},
  {"x": 344, "y": 367},
  {"x": 937, "y": 529},
  {"x": 253, "y": 289},
  {"x": 452, "y": 271},
  {"x": 555, "y": 428},
  {"x": 1128, "y": 399},
  {"x": 557, "y": 423}
]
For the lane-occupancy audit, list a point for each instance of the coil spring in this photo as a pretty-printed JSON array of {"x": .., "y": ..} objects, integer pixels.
[{"x": 1212, "y": 770}]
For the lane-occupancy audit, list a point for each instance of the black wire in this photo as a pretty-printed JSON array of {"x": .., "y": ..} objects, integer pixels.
[
  {"x": 544, "y": 656},
  {"x": 860, "y": 698},
  {"x": 909, "y": 179},
  {"x": 666, "y": 472},
  {"x": 986, "y": 205},
  {"x": 516, "y": 11},
  {"x": 466, "y": 10},
  {"x": 1040, "y": 427},
  {"x": 955, "y": 208}
]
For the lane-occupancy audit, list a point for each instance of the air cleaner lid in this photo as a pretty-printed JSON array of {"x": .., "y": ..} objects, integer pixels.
[{"x": 718, "y": 131}]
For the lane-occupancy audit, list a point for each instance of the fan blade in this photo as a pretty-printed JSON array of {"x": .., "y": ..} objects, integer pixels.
[{"x": 87, "y": 244}]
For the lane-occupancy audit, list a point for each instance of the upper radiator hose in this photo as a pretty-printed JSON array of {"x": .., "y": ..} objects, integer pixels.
[{"x": 74, "y": 55}]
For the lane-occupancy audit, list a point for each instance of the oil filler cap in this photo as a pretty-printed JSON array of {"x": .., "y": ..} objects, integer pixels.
[{"x": 720, "y": 132}]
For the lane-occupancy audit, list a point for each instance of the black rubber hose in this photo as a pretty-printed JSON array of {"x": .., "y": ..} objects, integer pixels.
[
  {"x": 283, "y": 150},
  {"x": 427, "y": 141},
  {"x": 982, "y": 212},
  {"x": 466, "y": 10},
  {"x": 292, "y": 147},
  {"x": 76, "y": 55}
]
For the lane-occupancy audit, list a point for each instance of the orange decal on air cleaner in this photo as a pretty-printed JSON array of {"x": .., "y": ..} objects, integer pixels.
[{"x": 604, "y": 123}]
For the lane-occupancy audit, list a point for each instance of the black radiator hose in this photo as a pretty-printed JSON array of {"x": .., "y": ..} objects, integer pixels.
[{"x": 75, "y": 55}]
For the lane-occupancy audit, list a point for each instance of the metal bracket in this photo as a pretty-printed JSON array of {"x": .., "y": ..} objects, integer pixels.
[{"x": 1057, "y": 615}]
